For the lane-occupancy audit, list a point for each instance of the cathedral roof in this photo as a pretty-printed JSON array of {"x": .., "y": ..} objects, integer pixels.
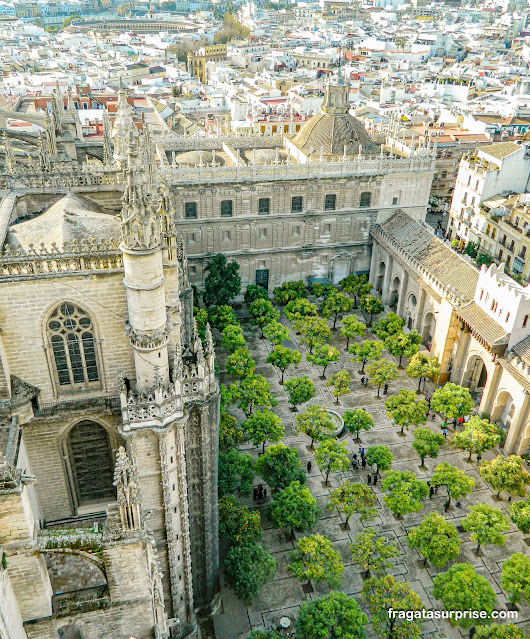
[
  {"x": 71, "y": 218},
  {"x": 334, "y": 128},
  {"x": 438, "y": 259},
  {"x": 332, "y": 132}
]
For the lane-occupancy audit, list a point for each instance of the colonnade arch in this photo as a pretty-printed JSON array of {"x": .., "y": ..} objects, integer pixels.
[
  {"x": 380, "y": 279},
  {"x": 393, "y": 298},
  {"x": 427, "y": 329},
  {"x": 475, "y": 375},
  {"x": 503, "y": 410}
]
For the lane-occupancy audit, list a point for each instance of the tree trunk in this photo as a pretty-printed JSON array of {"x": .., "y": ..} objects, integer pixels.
[
  {"x": 422, "y": 461},
  {"x": 469, "y": 458},
  {"x": 477, "y": 548},
  {"x": 419, "y": 385},
  {"x": 337, "y": 400},
  {"x": 283, "y": 373},
  {"x": 312, "y": 443},
  {"x": 263, "y": 449},
  {"x": 402, "y": 430},
  {"x": 400, "y": 358},
  {"x": 335, "y": 322},
  {"x": 378, "y": 389},
  {"x": 371, "y": 318},
  {"x": 347, "y": 342},
  {"x": 324, "y": 371},
  {"x": 327, "y": 476},
  {"x": 364, "y": 364}
]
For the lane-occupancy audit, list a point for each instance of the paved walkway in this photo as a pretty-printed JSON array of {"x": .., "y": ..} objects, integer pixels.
[{"x": 284, "y": 595}]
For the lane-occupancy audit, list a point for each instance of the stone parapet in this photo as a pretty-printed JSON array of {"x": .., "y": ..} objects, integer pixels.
[{"x": 317, "y": 169}]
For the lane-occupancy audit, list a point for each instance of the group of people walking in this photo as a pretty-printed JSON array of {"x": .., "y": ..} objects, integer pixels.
[{"x": 371, "y": 479}]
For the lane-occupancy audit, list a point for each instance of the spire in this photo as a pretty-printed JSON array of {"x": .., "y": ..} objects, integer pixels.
[
  {"x": 51, "y": 139},
  {"x": 107, "y": 141},
  {"x": 57, "y": 108},
  {"x": 183, "y": 263},
  {"x": 209, "y": 340},
  {"x": 125, "y": 132},
  {"x": 44, "y": 158},
  {"x": 127, "y": 492},
  {"x": 8, "y": 155},
  {"x": 70, "y": 102},
  {"x": 140, "y": 221}
]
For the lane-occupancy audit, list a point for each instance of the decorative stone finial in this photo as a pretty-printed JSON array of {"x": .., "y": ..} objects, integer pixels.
[{"x": 127, "y": 492}]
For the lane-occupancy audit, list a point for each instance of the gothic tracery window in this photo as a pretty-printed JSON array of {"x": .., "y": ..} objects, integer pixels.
[{"x": 71, "y": 335}]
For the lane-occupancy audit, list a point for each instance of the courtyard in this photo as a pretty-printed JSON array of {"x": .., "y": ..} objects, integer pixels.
[{"x": 284, "y": 594}]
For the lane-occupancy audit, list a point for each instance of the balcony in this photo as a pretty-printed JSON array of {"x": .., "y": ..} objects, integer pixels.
[
  {"x": 50, "y": 408},
  {"x": 84, "y": 600},
  {"x": 514, "y": 226}
]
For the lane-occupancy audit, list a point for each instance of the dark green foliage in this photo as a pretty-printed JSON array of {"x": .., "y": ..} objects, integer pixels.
[
  {"x": 236, "y": 473},
  {"x": 334, "y": 616},
  {"x": 247, "y": 568},
  {"x": 255, "y": 292},
  {"x": 279, "y": 466},
  {"x": 237, "y": 523},
  {"x": 288, "y": 292},
  {"x": 222, "y": 316},
  {"x": 222, "y": 283}
]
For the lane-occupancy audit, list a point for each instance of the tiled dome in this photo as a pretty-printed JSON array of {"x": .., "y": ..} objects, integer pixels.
[{"x": 332, "y": 133}]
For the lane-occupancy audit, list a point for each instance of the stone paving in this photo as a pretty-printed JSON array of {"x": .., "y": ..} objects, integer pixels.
[{"x": 284, "y": 595}]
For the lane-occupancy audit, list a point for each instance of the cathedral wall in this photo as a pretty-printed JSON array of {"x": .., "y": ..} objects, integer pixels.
[
  {"x": 299, "y": 244},
  {"x": 46, "y": 443},
  {"x": 10, "y": 619},
  {"x": 119, "y": 622},
  {"x": 24, "y": 307},
  {"x": 144, "y": 450}
]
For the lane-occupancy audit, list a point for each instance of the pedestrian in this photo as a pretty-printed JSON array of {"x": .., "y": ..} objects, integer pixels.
[
  {"x": 429, "y": 401},
  {"x": 309, "y": 466},
  {"x": 255, "y": 495},
  {"x": 436, "y": 490},
  {"x": 376, "y": 477},
  {"x": 433, "y": 417},
  {"x": 369, "y": 480},
  {"x": 366, "y": 381},
  {"x": 260, "y": 491},
  {"x": 264, "y": 493},
  {"x": 431, "y": 492},
  {"x": 363, "y": 462},
  {"x": 362, "y": 381},
  {"x": 454, "y": 423},
  {"x": 444, "y": 432},
  {"x": 385, "y": 389},
  {"x": 362, "y": 452},
  {"x": 479, "y": 457},
  {"x": 355, "y": 464},
  {"x": 460, "y": 420}
]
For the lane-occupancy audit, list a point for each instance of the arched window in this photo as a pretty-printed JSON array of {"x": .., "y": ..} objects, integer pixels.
[
  {"x": 366, "y": 198},
  {"x": 71, "y": 334},
  {"x": 91, "y": 462}
]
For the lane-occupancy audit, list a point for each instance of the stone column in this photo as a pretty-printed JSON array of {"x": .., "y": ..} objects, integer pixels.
[
  {"x": 461, "y": 352},
  {"x": 387, "y": 280},
  {"x": 490, "y": 390},
  {"x": 403, "y": 294},
  {"x": 513, "y": 444},
  {"x": 421, "y": 306}
]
